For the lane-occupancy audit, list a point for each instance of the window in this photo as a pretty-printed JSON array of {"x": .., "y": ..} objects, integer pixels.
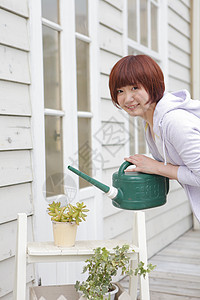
[
  {"x": 52, "y": 98},
  {"x": 54, "y": 101},
  {"x": 142, "y": 38},
  {"x": 143, "y": 24},
  {"x": 83, "y": 89}
]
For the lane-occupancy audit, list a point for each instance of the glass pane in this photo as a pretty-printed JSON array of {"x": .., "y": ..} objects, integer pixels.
[
  {"x": 50, "y": 10},
  {"x": 84, "y": 149},
  {"x": 54, "y": 154},
  {"x": 141, "y": 138},
  {"x": 132, "y": 20},
  {"x": 82, "y": 65},
  {"x": 81, "y": 7},
  {"x": 51, "y": 68},
  {"x": 154, "y": 27},
  {"x": 143, "y": 22}
]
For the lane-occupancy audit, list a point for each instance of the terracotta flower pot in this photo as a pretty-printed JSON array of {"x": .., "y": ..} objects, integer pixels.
[{"x": 64, "y": 233}]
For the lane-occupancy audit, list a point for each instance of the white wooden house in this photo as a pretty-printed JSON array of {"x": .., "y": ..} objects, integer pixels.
[{"x": 55, "y": 110}]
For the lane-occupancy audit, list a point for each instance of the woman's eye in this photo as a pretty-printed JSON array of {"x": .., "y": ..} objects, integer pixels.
[
  {"x": 119, "y": 91},
  {"x": 135, "y": 87}
]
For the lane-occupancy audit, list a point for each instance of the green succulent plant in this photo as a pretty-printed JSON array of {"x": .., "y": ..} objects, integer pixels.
[
  {"x": 69, "y": 213},
  {"x": 102, "y": 266}
]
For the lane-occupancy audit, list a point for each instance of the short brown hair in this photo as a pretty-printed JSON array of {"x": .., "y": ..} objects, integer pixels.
[{"x": 137, "y": 69}]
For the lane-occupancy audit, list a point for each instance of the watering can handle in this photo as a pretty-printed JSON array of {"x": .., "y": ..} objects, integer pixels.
[{"x": 123, "y": 167}]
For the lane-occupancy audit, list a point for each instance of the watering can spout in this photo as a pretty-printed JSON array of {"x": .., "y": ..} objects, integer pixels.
[{"x": 111, "y": 192}]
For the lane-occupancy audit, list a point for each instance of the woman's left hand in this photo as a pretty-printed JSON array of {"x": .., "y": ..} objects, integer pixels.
[{"x": 142, "y": 164}]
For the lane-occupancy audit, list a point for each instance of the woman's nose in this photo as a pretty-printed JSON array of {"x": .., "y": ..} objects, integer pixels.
[{"x": 129, "y": 97}]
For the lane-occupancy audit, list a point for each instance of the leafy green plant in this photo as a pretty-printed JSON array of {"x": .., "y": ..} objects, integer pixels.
[
  {"x": 69, "y": 213},
  {"x": 102, "y": 266},
  {"x": 140, "y": 270}
]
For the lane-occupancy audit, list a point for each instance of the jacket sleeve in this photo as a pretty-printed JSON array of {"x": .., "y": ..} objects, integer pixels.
[{"x": 182, "y": 131}]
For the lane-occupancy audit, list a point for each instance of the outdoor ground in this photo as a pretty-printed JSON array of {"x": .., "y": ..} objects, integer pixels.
[{"x": 177, "y": 275}]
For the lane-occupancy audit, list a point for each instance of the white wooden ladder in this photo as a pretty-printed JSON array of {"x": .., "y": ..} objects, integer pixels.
[{"x": 42, "y": 252}]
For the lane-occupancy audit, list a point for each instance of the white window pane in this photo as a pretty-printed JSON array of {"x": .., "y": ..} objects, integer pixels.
[
  {"x": 50, "y": 10},
  {"x": 51, "y": 68},
  {"x": 143, "y": 23},
  {"x": 84, "y": 149},
  {"x": 54, "y": 156},
  {"x": 82, "y": 65},
  {"x": 132, "y": 20},
  {"x": 81, "y": 7},
  {"x": 154, "y": 27}
]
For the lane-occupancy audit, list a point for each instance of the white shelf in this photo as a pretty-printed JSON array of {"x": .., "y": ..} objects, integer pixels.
[{"x": 42, "y": 252}]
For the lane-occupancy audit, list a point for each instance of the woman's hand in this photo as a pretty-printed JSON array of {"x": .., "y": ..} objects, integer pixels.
[
  {"x": 148, "y": 165},
  {"x": 142, "y": 164}
]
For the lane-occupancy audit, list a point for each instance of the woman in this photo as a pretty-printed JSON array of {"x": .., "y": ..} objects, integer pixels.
[{"x": 171, "y": 123}]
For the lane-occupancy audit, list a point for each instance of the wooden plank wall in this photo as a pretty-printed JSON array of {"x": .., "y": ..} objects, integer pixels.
[
  {"x": 15, "y": 137},
  {"x": 179, "y": 44},
  {"x": 166, "y": 223}
]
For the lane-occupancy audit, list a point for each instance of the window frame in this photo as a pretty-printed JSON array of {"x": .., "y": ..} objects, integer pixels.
[{"x": 69, "y": 112}]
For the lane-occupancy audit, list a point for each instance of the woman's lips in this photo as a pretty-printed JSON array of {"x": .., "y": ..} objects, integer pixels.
[{"x": 131, "y": 107}]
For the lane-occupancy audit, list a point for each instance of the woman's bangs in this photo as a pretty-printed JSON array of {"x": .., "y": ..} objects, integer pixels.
[{"x": 125, "y": 78}]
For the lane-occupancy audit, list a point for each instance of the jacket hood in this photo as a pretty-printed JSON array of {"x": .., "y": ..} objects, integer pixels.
[
  {"x": 173, "y": 101},
  {"x": 170, "y": 101}
]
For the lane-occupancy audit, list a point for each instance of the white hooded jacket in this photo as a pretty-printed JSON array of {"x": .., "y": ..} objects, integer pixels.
[{"x": 176, "y": 122}]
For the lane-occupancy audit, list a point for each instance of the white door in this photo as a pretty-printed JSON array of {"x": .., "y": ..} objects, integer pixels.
[{"x": 66, "y": 117}]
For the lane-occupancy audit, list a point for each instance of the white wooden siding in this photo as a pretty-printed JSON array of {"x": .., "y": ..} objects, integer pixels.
[
  {"x": 179, "y": 40},
  {"x": 14, "y": 99},
  {"x": 178, "y": 22},
  {"x": 9, "y": 24},
  {"x": 7, "y": 249},
  {"x": 14, "y": 65},
  {"x": 107, "y": 61},
  {"x": 15, "y": 167},
  {"x": 110, "y": 40},
  {"x": 15, "y": 137},
  {"x": 105, "y": 94},
  {"x": 118, "y": 223},
  {"x": 17, "y": 7},
  {"x": 15, "y": 199},
  {"x": 181, "y": 57},
  {"x": 181, "y": 7},
  {"x": 112, "y": 18},
  {"x": 179, "y": 71},
  {"x": 112, "y": 156},
  {"x": 109, "y": 111},
  {"x": 117, "y": 4},
  {"x": 15, "y": 133},
  {"x": 176, "y": 84},
  {"x": 7, "y": 276}
]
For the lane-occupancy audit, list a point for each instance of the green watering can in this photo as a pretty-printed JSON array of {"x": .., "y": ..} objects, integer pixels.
[{"x": 132, "y": 190}]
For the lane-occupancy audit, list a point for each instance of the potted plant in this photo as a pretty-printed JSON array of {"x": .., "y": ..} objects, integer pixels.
[
  {"x": 101, "y": 267},
  {"x": 65, "y": 220}
]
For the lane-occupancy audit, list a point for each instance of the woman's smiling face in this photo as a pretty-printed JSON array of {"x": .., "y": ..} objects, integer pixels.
[{"x": 134, "y": 100}]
